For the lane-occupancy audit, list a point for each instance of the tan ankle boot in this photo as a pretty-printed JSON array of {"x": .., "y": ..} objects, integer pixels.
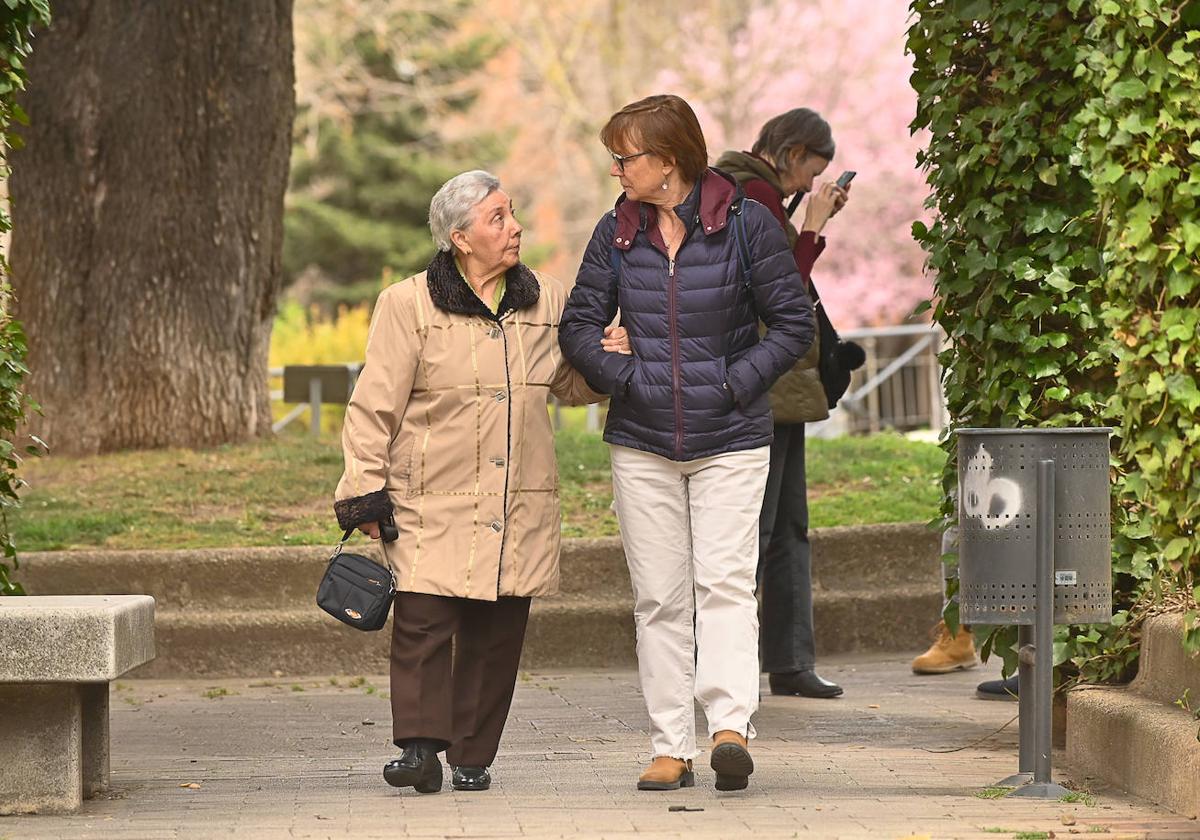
[
  {"x": 948, "y": 653},
  {"x": 666, "y": 773},
  {"x": 731, "y": 760}
]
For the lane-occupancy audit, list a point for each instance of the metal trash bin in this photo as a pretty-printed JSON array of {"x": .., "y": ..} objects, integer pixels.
[
  {"x": 997, "y": 480},
  {"x": 1034, "y": 550}
]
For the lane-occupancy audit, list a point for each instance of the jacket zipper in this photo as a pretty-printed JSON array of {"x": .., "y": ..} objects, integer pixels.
[{"x": 673, "y": 327}]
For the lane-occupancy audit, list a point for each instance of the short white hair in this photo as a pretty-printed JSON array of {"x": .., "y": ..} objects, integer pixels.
[{"x": 451, "y": 207}]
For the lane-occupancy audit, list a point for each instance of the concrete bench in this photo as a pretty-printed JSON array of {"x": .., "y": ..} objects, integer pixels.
[{"x": 57, "y": 656}]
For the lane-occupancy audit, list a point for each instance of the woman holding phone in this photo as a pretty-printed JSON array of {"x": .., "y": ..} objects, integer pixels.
[{"x": 791, "y": 151}]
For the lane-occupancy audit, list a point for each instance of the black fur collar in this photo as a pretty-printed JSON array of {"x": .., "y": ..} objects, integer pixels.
[{"x": 453, "y": 294}]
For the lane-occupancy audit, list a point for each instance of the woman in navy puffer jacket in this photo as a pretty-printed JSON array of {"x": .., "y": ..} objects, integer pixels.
[{"x": 689, "y": 423}]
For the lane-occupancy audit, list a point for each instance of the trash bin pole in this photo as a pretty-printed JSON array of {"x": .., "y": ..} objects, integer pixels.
[{"x": 1044, "y": 642}]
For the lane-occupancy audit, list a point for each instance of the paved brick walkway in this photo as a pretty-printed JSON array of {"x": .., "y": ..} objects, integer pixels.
[{"x": 302, "y": 758}]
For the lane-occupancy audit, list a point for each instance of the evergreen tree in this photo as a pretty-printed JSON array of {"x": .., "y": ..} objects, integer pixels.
[{"x": 379, "y": 85}]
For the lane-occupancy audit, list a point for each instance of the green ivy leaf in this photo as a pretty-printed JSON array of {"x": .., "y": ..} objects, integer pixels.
[
  {"x": 1058, "y": 279},
  {"x": 1127, "y": 89}
]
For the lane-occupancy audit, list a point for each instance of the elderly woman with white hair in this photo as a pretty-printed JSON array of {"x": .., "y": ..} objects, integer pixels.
[{"x": 448, "y": 435}]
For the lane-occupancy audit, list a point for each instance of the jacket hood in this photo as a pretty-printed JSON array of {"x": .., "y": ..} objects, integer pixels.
[{"x": 708, "y": 204}]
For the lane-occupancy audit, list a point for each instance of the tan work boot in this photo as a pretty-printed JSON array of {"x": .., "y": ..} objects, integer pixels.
[
  {"x": 666, "y": 773},
  {"x": 730, "y": 760},
  {"x": 948, "y": 653}
]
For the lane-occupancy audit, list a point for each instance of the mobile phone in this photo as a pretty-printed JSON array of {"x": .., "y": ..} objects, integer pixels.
[{"x": 845, "y": 178}]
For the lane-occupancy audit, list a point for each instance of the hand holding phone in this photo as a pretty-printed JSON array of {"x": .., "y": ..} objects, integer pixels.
[{"x": 826, "y": 202}]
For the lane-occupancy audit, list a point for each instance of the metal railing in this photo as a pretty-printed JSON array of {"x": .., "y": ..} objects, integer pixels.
[{"x": 898, "y": 387}]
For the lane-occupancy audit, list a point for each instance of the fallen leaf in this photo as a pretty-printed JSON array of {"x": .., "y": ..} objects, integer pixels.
[
  {"x": 190, "y": 786},
  {"x": 1067, "y": 819},
  {"x": 368, "y": 722},
  {"x": 873, "y": 706}
]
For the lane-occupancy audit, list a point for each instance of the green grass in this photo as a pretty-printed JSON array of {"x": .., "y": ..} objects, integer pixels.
[
  {"x": 993, "y": 792},
  {"x": 1079, "y": 796},
  {"x": 279, "y": 491}
]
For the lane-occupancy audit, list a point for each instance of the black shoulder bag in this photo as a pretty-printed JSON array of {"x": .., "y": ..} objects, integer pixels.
[
  {"x": 837, "y": 358},
  {"x": 355, "y": 589}
]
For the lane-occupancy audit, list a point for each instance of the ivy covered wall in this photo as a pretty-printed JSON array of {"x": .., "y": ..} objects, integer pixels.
[{"x": 1064, "y": 168}]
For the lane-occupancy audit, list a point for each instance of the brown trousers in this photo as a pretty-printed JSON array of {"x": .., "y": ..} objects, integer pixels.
[{"x": 454, "y": 667}]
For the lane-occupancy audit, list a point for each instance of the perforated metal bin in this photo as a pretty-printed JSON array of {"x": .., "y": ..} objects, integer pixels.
[{"x": 997, "y": 520}]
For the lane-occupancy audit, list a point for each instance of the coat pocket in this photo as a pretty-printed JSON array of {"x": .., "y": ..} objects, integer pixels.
[{"x": 726, "y": 389}]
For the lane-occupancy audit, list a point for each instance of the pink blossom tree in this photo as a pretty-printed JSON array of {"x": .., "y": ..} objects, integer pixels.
[{"x": 569, "y": 67}]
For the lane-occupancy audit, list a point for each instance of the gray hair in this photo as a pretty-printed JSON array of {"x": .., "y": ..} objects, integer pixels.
[
  {"x": 797, "y": 127},
  {"x": 451, "y": 207}
]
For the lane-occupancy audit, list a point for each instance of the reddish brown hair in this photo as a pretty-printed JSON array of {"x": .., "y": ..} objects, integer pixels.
[{"x": 664, "y": 125}]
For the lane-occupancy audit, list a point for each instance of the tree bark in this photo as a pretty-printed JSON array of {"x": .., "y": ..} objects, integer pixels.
[{"x": 148, "y": 219}]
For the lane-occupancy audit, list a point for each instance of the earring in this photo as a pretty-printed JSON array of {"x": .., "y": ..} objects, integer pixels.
[{"x": 665, "y": 185}]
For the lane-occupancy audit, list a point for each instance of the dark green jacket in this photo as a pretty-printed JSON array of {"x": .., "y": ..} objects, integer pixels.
[{"x": 797, "y": 396}]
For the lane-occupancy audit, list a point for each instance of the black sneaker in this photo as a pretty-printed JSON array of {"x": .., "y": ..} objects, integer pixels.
[
  {"x": 998, "y": 689},
  {"x": 417, "y": 767},
  {"x": 470, "y": 778}
]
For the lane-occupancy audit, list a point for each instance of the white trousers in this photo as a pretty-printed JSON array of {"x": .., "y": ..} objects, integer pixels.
[{"x": 690, "y": 532}]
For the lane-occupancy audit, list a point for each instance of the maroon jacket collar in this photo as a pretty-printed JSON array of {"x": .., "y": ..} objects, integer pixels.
[{"x": 710, "y": 201}]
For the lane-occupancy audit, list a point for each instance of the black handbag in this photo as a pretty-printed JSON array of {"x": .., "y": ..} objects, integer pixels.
[
  {"x": 838, "y": 359},
  {"x": 355, "y": 589}
]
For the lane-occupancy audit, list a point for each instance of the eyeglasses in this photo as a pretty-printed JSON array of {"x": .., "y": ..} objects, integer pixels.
[{"x": 621, "y": 160}]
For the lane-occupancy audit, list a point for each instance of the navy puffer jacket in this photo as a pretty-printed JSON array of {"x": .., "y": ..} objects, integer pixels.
[{"x": 696, "y": 384}]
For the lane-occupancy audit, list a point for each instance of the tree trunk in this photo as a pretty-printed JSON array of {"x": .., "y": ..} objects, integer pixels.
[{"x": 148, "y": 219}]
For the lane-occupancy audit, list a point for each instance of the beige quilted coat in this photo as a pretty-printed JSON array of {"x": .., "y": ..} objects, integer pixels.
[{"x": 448, "y": 429}]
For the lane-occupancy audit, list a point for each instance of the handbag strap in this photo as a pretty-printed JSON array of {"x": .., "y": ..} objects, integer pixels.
[{"x": 337, "y": 549}]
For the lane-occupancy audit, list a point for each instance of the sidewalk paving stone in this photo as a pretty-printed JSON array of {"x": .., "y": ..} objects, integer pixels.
[{"x": 898, "y": 756}]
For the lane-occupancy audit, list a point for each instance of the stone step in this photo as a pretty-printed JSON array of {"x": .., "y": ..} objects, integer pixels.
[
  {"x": 255, "y": 579},
  {"x": 1165, "y": 669},
  {"x": 1137, "y": 744},
  {"x": 1135, "y": 736},
  {"x": 245, "y": 612},
  {"x": 567, "y": 631}
]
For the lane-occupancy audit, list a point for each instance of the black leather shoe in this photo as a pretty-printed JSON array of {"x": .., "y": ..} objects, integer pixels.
[
  {"x": 471, "y": 778},
  {"x": 417, "y": 767},
  {"x": 998, "y": 689},
  {"x": 804, "y": 684}
]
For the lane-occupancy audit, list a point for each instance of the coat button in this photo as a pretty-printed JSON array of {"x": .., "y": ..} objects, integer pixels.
[
  {"x": 494, "y": 333},
  {"x": 499, "y": 462},
  {"x": 497, "y": 526},
  {"x": 501, "y": 396}
]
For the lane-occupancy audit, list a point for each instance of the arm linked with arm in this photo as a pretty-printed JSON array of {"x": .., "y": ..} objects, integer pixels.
[
  {"x": 590, "y": 308},
  {"x": 568, "y": 384}
]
